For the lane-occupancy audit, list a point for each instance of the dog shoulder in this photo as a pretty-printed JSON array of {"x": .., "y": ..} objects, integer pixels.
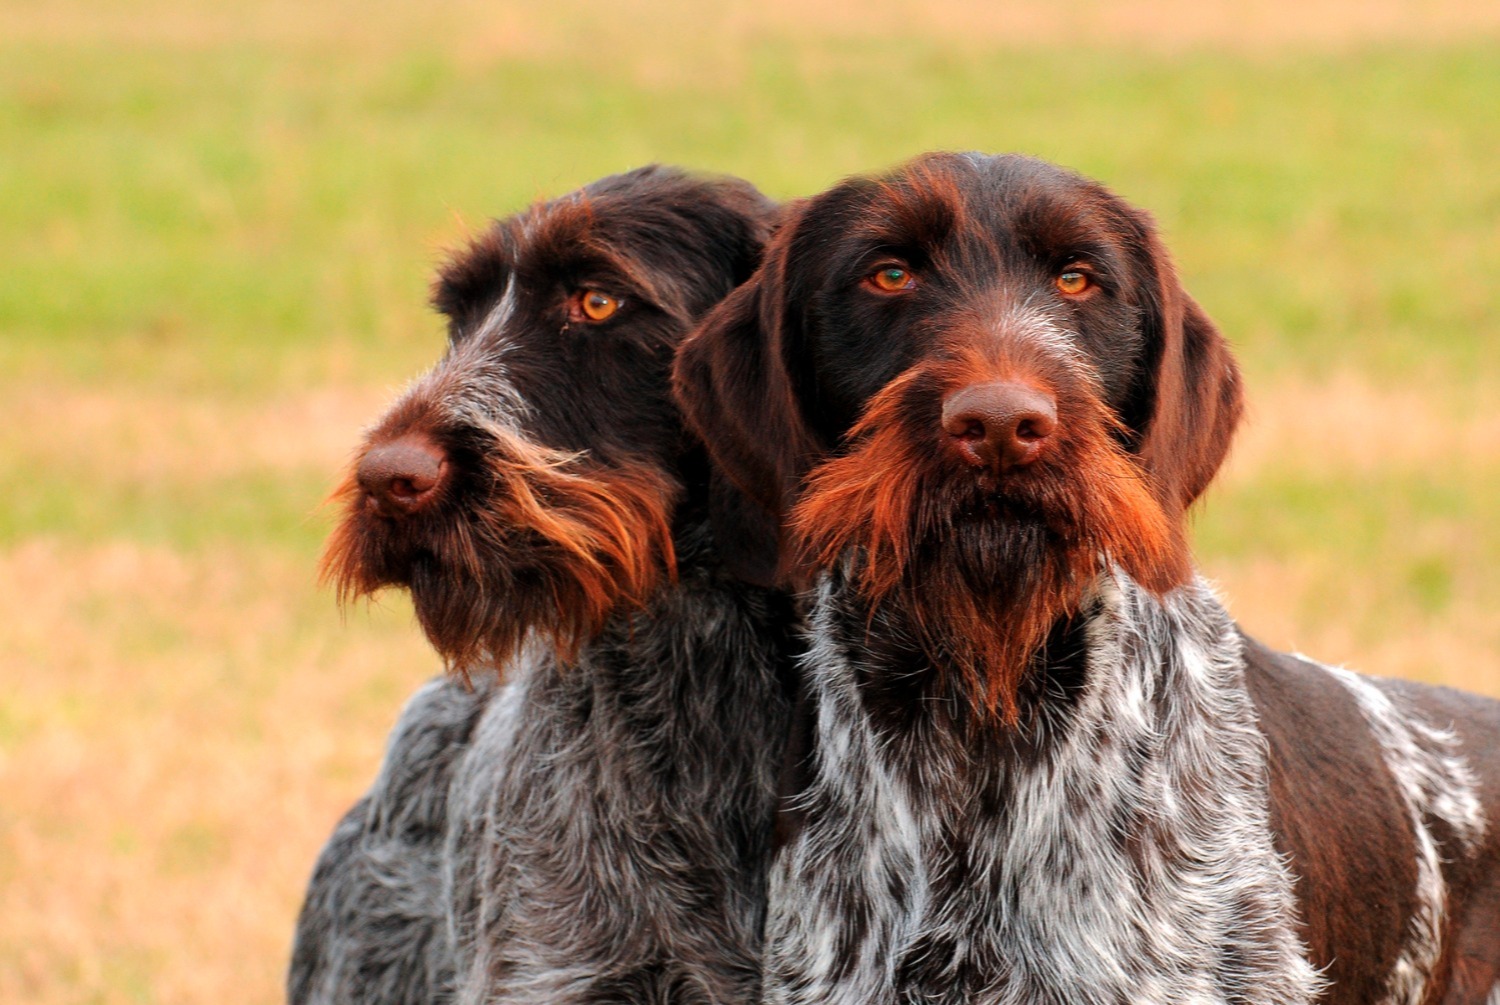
[{"x": 1338, "y": 813}]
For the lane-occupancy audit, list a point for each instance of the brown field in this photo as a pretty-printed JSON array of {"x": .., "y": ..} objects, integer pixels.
[{"x": 1324, "y": 604}]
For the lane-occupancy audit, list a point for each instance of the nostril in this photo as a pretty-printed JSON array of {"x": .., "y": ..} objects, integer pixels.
[
  {"x": 413, "y": 486},
  {"x": 1000, "y": 425},
  {"x": 1035, "y": 426},
  {"x": 402, "y": 476},
  {"x": 973, "y": 430}
]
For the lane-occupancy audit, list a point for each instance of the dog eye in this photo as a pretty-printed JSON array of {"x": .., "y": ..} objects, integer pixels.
[
  {"x": 1073, "y": 282},
  {"x": 594, "y": 305},
  {"x": 893, "y": 279}
]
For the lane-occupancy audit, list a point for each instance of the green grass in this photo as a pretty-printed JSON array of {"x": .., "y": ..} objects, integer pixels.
[
  {"x": 272, "y": 509},
  {"x": 1362, "y": 515},
  {"x": 200, "y": 219}
]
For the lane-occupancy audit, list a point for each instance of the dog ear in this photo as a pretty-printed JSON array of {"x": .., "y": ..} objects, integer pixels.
[
  {"x": 1190, "y": 397},
  {"x": 742, "y": 219},
  {"x": 471, "y": 279},
  {"x": 737, "y": 394}
]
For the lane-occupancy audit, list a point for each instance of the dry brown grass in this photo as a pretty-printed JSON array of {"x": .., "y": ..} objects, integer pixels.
[
  {"x": 1318, "y": 607},
  {"x": 137, "y": 436},
  {"x": 175, "y": 741},
  {"x": 1339, "y": 606},
  {"x": 180, "y": 728},
  {"x": 1167, "y": 24},
  {"x": 1345, "y": 423}
]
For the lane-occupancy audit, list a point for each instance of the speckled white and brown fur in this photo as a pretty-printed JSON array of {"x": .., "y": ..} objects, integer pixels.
[
  {"x": 609, "y": 826},
  {"x": 597, "y": 826},
  {"x": 1120, "y": 853},
  {"x": 1150, "y": 806}
]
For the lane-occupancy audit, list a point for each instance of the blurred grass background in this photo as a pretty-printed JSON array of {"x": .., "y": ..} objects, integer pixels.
[{"x": 216, "y": 230}]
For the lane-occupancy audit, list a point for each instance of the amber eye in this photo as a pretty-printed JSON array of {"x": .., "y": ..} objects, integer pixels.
[
  {"x": 1073, "y": 282},
  {"x": 597, "y": 306},
  {"x": 893, "y": 279}
]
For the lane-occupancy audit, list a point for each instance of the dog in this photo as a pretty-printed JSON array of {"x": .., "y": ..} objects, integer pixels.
[
  {"x": 1044, "y": 765},
  {"x": 593, "y": 822},
  {"x": 374, "y": 923}
]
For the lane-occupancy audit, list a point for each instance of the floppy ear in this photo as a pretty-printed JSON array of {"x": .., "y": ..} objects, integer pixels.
[
  {"x": 736, "y": 393},
  {"x": 1189, "y": 397},
  {"x": 742, "y": 221},
  {"x": 735, "y": 389},
  {"x": 471, "y": 279}
]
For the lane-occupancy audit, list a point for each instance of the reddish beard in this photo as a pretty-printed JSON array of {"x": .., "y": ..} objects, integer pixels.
[
  {"x": 549, "y": 544},
  {"x": 982, "y": 565}
]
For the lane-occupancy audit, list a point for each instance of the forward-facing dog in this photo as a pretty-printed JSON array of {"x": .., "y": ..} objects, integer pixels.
[
  {"x": 1045, "y": 765},
  {"x": 593, "y": 826}
]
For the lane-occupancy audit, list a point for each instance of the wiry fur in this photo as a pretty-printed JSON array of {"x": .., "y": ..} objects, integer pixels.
[
  {"x": 559, "y": 432},
  {"x": 608, "y": 832},
  {"x": 952, "y": 552},
  {"x": 1114, "y": 849},
  {"x": 1168, "y": 812},
  {"x": 611, "y": 825},
  {"x": 374, "y": 927},
  {"x": 579, "y": 538}
]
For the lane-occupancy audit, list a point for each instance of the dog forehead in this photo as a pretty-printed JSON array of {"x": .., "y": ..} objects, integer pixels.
[
  {"x": 558, "y": 231},
  {"x": 643, "y": 210},
  {"x": 655, "y": 245},
  {"x": 560, "y": 245},
  {"x": 1006, "y": 203}
]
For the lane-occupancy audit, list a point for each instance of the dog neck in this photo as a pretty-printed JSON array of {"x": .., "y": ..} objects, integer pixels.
[
  {"x": 1112, "y": 846},
  {"x": 656, "y": 754}
]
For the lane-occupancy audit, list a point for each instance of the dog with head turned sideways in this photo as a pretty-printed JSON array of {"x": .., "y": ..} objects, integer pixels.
[
  {"x": 583, "y": 812},
  {"x": 1044, "y": 766}
]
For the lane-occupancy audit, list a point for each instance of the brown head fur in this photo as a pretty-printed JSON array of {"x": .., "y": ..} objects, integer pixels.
[
  {"x": 822, "y": 399},
  {"x": 555, "y": 453},
  {"x": 558, "y": 545}
]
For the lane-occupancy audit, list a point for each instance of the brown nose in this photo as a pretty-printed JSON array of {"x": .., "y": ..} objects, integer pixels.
[
  {"x": 404, "y": 475},
  {"x": 1003, "y": 425}
]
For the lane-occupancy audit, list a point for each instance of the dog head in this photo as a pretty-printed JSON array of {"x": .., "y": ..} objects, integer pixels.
[
  {"x": 526, "y": 484},
  {"x": 976, "y": 383}
]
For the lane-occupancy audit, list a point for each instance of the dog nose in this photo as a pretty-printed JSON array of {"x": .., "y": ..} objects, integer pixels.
[
  {"x": 1002, "y": 425},
  {"x": 404, "y": 475}
]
